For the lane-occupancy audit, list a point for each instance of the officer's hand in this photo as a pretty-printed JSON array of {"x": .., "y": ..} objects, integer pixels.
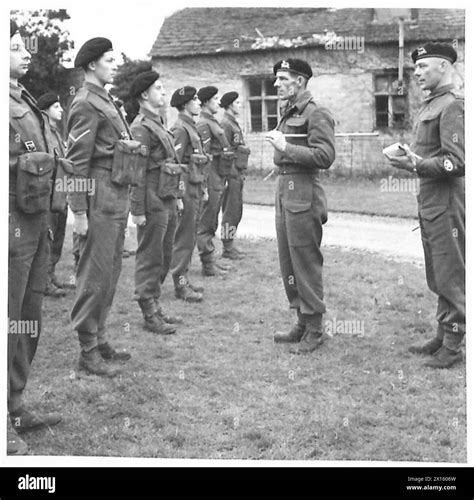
[
  {"x": 180, "y": 205},
  {"x": 277, "y": 140},
  {"x": 139, "y": 220},
  {"x": 401, "y": 162},
  {"x": 80, "y": 225},
  {"x": 205, "y": 196}
]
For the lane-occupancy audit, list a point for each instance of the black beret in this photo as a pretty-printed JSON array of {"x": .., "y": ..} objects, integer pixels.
[
  {"x": 443, "y": 50},
  {"x": 207, "y": 93},
  {"x": 228, "y": 98},
  {"x": 142, "y": 81},
  {"x": 92, "y": 50},
  {"x": 297, "y": 66},
  {"x": 13, "y": 27},
  {"x": 47, "y": 100},
  {"x": 182, "y": 96}
]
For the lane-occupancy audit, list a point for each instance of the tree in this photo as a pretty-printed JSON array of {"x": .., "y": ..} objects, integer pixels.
[
  {"x": 126, "y": 73},
  {"x": 48, "y": 42}
]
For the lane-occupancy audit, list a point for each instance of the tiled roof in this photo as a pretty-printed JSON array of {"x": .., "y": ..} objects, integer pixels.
[{"x": 194, "y": 31}]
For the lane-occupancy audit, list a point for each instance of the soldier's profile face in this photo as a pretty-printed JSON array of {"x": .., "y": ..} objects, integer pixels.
[
  {"x": 156, "y": 94},
  {"x": 213, "y": 104},
  {"x": 237, "y": 104},
  {"x": 105, "y": 68},
  {"x": 20, "y": 58},
  {"x": 55, "y": 111},
  {"x": 194, "y": 106},
  {"x": 428, "y": 72},
  {"x": 286, "y": 83}
]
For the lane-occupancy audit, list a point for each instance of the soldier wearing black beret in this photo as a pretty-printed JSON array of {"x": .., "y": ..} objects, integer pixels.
[
  {"x": 205, "y": 94},
  {"x": 49, "y": 103},
  {"x": 142, "y": 82},
  {"x": 228, "y": 98},
  {"x": 30, "y": 150},
  {"x": 304, "y": 143},
  {"x": 189, "y": 149},
  {"x": 47, "y": 100},
  {"x": 215, "y": 144},
  {"x": 100, "y": 206},
  {"x": 92, "y": 50},
  {"x": 155, "y": 202},
  {"x": 232, "y": 202},
  {"x": 437, "y": 158}
]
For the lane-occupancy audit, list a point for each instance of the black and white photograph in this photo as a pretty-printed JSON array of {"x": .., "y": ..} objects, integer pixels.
[{"x": 236, "y": 233}]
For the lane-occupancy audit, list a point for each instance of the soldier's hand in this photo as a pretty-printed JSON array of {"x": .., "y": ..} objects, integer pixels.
[
  {"x": 277, "y": 140},
  {"x": 139, "y": 220},
  {"x": 80, "y": 224},
  {"x": 180, "y": 205},
  {"x": 401, "y": 162}
]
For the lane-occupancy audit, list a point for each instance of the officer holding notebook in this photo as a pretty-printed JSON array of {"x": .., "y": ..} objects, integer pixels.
[
  {"x": 304, "y": 143},
  {"x": 104, "y": 161},
  {"x": 437, "y": 158}
]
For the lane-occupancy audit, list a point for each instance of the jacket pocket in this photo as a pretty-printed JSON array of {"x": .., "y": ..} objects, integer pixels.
[{"x": 33, "y": 183}]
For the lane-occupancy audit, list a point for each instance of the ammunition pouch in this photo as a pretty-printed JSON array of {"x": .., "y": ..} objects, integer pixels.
[
  {"x": 33, "y": 181},
  {"x": 170, "y": 185},
  {"x": 226, "y": 161},
  {"x": 197, "y": 163},
  {"x": 242, "y": 157},
  {"x": 129, "y": 162}
]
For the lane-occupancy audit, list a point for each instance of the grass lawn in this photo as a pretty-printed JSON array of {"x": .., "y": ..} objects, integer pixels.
[
  {"x": 362, "y": 196},
  {"x": 221, "y": 388}
]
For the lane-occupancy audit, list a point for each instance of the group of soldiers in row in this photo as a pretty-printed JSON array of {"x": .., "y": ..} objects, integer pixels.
[{"x": 176, "y": 182}]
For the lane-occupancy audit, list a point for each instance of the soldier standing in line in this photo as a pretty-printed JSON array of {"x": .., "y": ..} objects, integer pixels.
[
  {"x": 232, "y": 203},
  {"x": 97, "y": 139},
  {"x": 31, "y": 167},
  {"x": 301, "y": 207},
  {"x": 50, "y": 105},
  {"x": 190, "y": 152},
  {"x": 438, "y": 160},
  {"x": 156, "y": 202},
  {"x": 215, "y": 144}
]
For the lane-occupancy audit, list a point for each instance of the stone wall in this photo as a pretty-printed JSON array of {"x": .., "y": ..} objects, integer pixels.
[{"x": 343, "y": 81}]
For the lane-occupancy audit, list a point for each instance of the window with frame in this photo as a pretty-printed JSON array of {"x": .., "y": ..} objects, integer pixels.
[
  {"x": 390, "y": 101},
  {"x": 263, "y": 103}
]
